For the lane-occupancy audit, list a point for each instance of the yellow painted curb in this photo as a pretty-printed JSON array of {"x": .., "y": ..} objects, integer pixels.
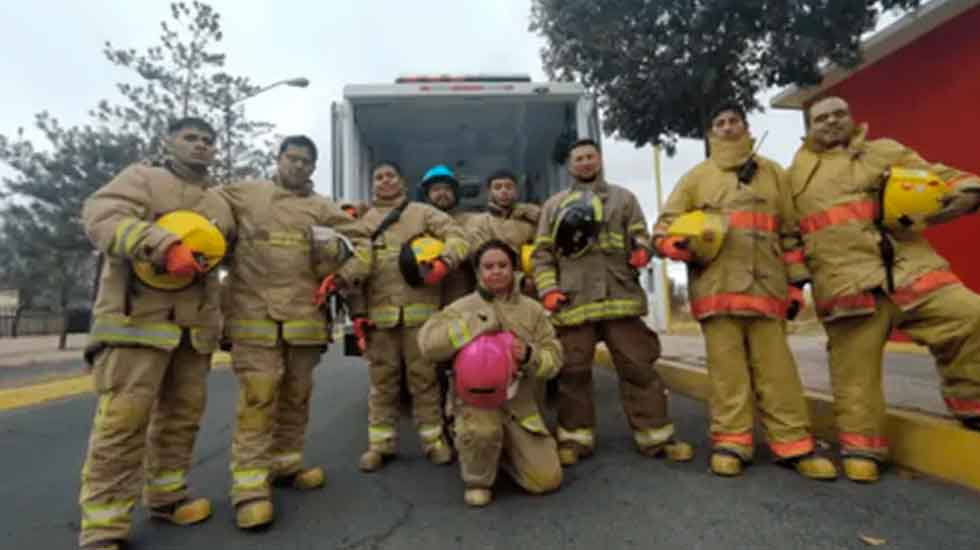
[
  {"x": 14, "y": 398},
  {"x": 939, "y": 447}
]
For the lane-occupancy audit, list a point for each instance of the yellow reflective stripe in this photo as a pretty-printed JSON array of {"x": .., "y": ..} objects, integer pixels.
[
  {"x": 243, "y": 329},
  {"x": 459, "y": 334},
  {"x": 534, "y": 423},
  {"x": 385, "y": 316},
  {"x": 166, "y": 482},
  {"x": 127, "y": 232},
  {"x": 459, "y": 246},
  {"x": 546, "y": 361},
  {"x": 572, "y": 197},
  {"x": 546, "y": 278},
  {"x": 597, "y": 207},
  {"x": 287, "y": 459},
  {"x": 256, "y": 478},
  {"x": 654, "y": 436},
  {"x": 611, "y": 241},
  {"x": 582, "y": 436},
  {"x": 430, "y": 433},
  {"x": 638, "y": 227},
  {"x": 418, "y": 312},
  {"x": 543, "y": 240},
  {"x": 605, "y": 309},
  {"x": 121, "y": 330},
  {"x": 312, "y": 331},
  {"x": 380, "y": 433},
  {"x": 107, "y": 515}
]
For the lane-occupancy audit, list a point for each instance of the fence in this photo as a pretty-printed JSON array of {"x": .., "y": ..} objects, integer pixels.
[{"x": 33, "y": 323}]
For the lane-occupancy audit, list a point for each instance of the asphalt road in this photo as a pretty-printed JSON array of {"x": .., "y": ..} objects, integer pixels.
[{"x": 617, "y": 499}]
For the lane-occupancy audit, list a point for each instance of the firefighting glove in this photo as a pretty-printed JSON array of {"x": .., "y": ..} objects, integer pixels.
[
  {"x": 956, "y": 205},
  {"x": 796, "y": 302},
  {"x": 361, "y": 326},
  {"x": 437, "y": 272},
  {"x": 327, "y": 287},
  {"x": 639, "y": 258},
  {"x": 674, "y": 248},
  {"x": 554, "y": 300},
  {"x": 181, "y": 261}
]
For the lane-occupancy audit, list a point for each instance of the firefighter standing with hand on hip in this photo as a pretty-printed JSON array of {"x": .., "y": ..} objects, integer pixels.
[
  {"x": 592, "y": 239},
  {"x": 730, "y": 219}
]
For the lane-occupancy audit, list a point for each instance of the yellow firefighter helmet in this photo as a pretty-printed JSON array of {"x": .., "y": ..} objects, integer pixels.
[
  {"x": 200, "y": 235},
  {"x": 704, "y": 231},
  {"x": 527, "y": 265},
  {"x": 414, "y": 254},
  {"x": 909, "y": 197}
]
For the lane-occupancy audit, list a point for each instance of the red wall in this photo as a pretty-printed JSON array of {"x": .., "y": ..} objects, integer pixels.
[{"x": 927, "y": 96}]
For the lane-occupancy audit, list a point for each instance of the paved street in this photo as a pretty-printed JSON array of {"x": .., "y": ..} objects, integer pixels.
[{"x": 617, "y": 499}]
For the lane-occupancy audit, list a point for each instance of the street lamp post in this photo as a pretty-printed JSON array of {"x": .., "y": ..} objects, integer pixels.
[{"x": 298, "y": 82}]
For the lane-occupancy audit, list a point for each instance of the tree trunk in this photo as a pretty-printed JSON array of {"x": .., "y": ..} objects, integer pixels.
[
  {"x": 63, "y": 337},
  {"x": 18, "y": 311}
]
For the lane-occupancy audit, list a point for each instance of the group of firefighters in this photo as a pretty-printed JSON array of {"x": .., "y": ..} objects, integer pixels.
[{"x": 478, "y": 310}]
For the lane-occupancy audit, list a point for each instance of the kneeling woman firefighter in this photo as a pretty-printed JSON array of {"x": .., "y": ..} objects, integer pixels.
[{"x": 497, "y": 338}]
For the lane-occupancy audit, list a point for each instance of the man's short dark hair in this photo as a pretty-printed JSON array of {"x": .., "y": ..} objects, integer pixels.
[
  {"x": 502, "y": 174},
  {"x": 389, "y": 163},
  {"x": 495, "y": 244},
  {"x": 727, "y": 106},
  {"x": 298, "y": 141},
  {"x": 581, "y": 143},
  {"x": 191, "y": 122}
]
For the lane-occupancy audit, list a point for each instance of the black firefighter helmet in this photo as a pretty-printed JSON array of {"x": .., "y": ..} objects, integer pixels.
[{"x": 576, "y": 226}]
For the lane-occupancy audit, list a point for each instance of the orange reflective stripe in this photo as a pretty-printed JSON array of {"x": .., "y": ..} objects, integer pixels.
[
  {"x": 848, "y": 439},
  {"x": 963, "y": 407},
  {"x": 956, "y": 180},
  {"x": 851, "y": 302},
  {"x": 864, "y": 210},
  {"x": 735, "y": 439},
  {"x": 794, "y": 256},
  {"x": 788, "y": 449},
  {"x": 923, "y": 285},
  {"x": 753, "y": 221},
  {"x": 722, "y": 303}
]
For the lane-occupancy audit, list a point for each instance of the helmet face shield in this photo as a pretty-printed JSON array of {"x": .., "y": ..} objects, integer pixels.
[
  {"x": 485, "y": 372},
  {"x": 576, "y": 227}
]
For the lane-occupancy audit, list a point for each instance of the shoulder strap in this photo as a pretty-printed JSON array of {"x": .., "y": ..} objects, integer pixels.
[{"x": 390, "y": 219}]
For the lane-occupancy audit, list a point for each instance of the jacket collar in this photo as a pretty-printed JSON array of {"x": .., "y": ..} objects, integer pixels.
[
  {"x": 186, "y": 173},
  {"x": 488, "y": 296},
  {"x": 389, "y": 203},
  {"x": 597, "y": 186},
  {"x": 304, "y": 190},
  {"x": 855, "y": 146},
  {"x": 729, "y": 155}
]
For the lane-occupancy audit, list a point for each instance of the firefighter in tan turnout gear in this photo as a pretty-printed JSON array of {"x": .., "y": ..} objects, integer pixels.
[
  {"x": 591, "y": 240},
  {"x": 289, "y": 240},
  {"x": 870, "y": 276},
  {"x": 742, "y": 296},
  {"x": 493, "y": 428},
  {"x": 412, "y": 248},
  {"x": 515, "y": 223},
  {"x": 156, "y": 324}
]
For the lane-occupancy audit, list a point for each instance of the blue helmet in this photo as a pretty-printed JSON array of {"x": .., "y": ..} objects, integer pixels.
[{"x": 438, "y": 174}]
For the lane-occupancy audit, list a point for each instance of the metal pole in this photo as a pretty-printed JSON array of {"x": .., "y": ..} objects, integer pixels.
[
  {"x": 665, "y": 294},
  {"x": 228, "y": 149}
]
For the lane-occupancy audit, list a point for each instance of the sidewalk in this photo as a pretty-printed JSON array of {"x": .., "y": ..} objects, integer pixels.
[
  {"x": 28, "y": 350},
  {"x": 910, "y": 379}
]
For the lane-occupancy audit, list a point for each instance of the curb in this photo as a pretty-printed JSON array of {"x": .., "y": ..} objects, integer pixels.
[
  {"x": 34, "y": 394},
  {"x": 932, "y": 445},
  {"x": 15, "y": 398}
]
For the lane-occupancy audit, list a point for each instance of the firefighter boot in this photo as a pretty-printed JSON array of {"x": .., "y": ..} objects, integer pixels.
[
  {"x": 972, "y": 423},
  {"x": 371, "y": 461},
  {"x": 570, "y": 453},
  {"x": 438, "y": 451},
  {"x": 860, "y": 469},
  {"x": 725, "y": 464},
  {"x": 185, "y": 512},
  {"x": 305, "y": 479},
  {"x": 477, "y": 497},
  {"x": 815, "y": 467},
  {"x": 254, "y": 513},
  {"x": 103, "y": 545},
  {"x": 675, "y": 451}
]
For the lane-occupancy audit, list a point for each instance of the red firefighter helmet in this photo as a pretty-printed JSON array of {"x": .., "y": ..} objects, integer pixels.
[{"x": 484, "y": 369}]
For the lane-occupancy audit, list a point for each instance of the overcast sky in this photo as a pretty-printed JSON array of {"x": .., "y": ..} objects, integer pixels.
[{"x": 53, "y": 61}]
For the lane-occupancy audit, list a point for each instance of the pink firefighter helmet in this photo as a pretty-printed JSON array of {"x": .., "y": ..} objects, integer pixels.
[{"x": 483, "y": 370}]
